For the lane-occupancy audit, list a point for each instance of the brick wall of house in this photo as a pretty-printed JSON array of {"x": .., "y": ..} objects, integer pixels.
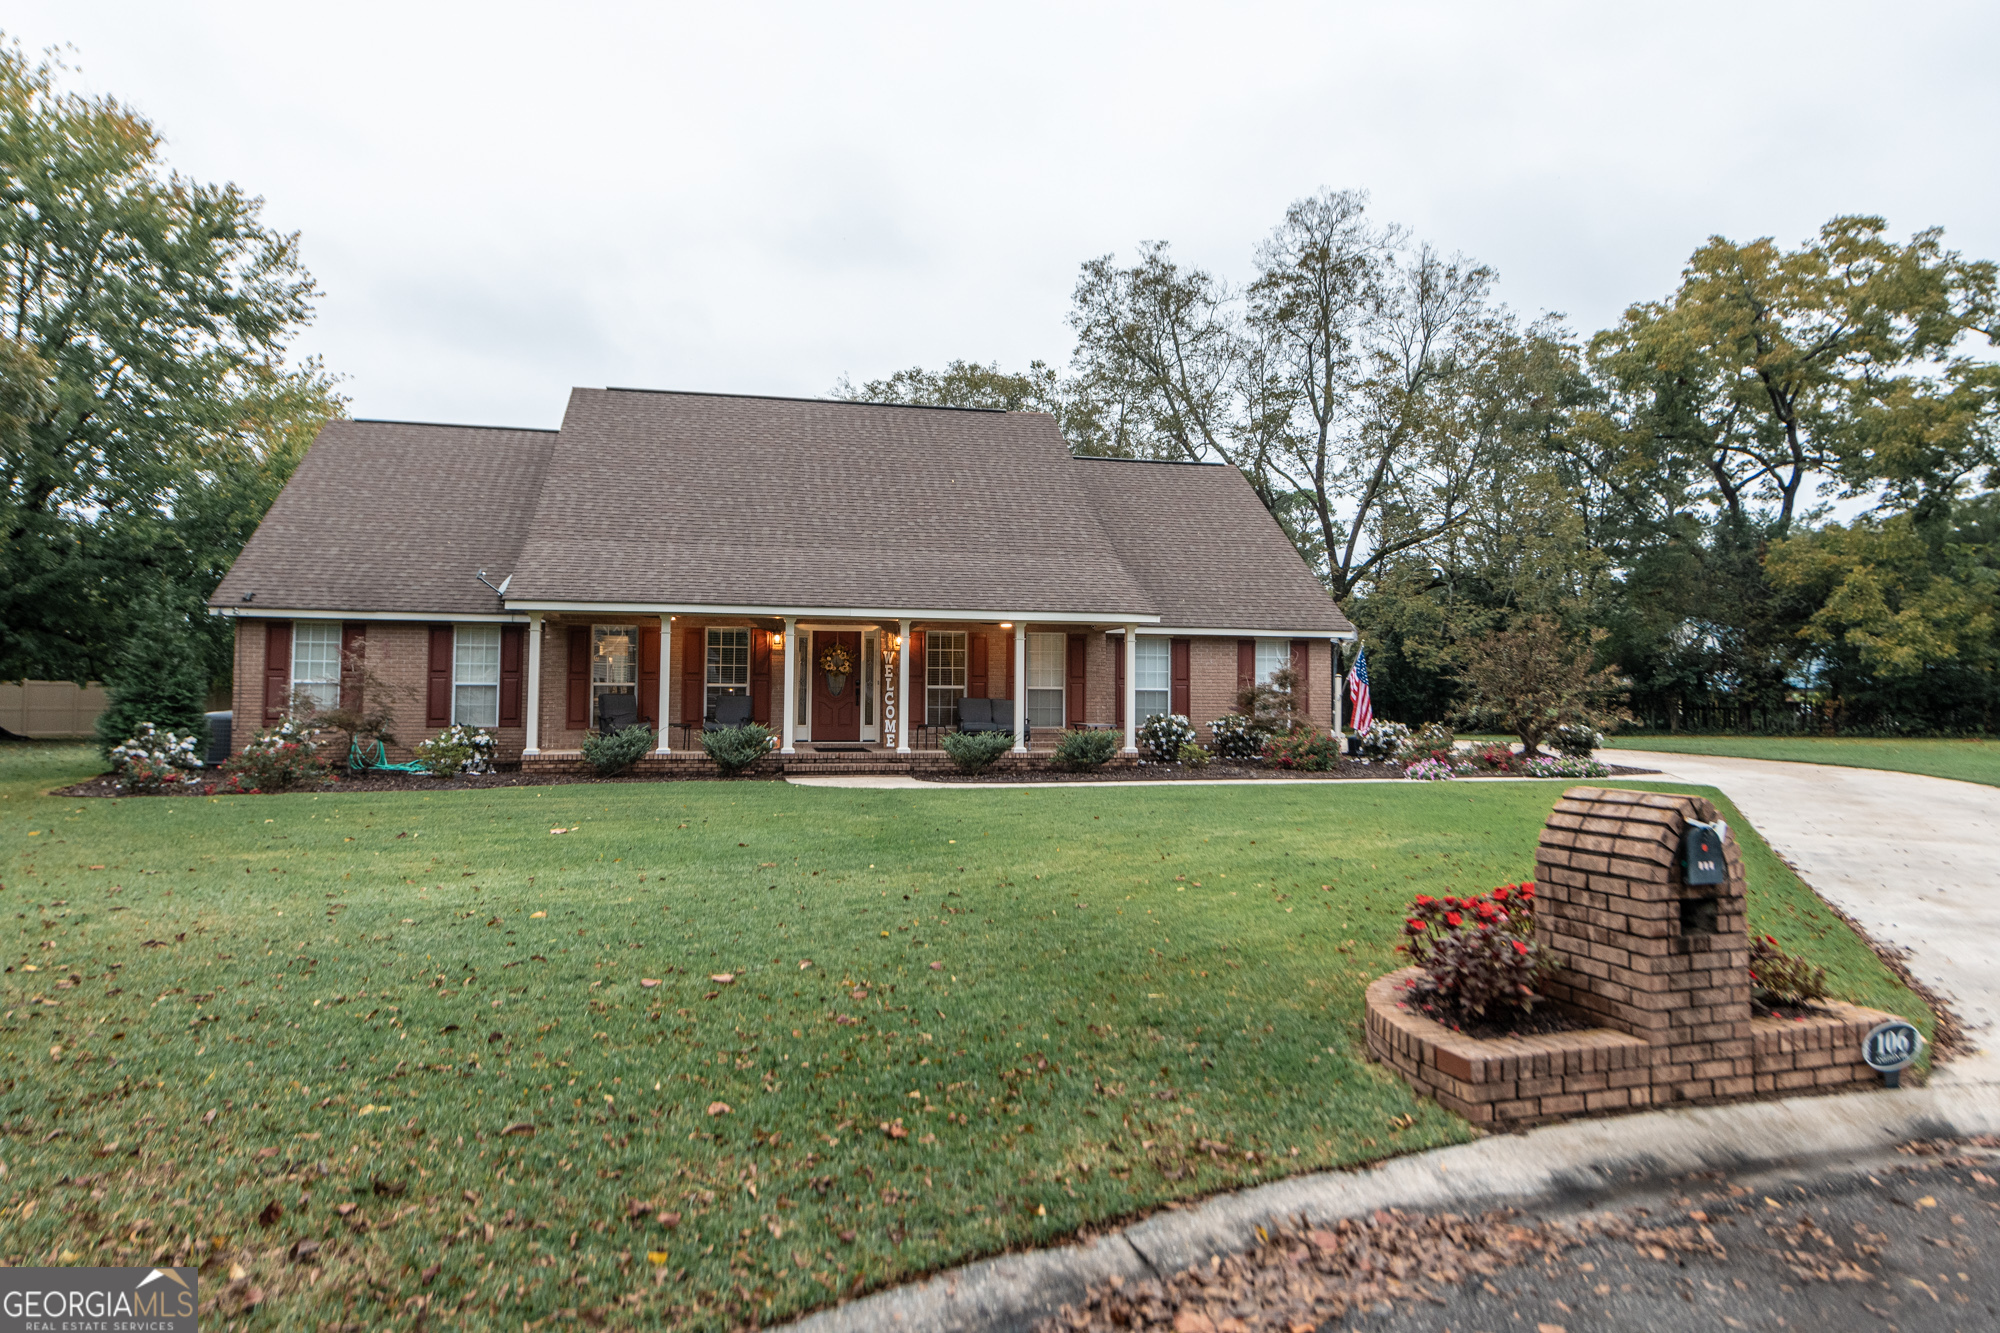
[{"x": 246, "y": 691}]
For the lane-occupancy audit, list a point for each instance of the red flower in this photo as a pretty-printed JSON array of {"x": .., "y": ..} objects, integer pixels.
[
  {"x": 1500, "y": 895},
  {"x": 1425, "y": 900},
  {"x": 1520, "y": 948},
  {"x": 1414, "y": 924},
  {"x": 1452, "y": 918}
]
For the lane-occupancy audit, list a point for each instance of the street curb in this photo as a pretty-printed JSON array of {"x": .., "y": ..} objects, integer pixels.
[{"x": 1568, "y": 1164}]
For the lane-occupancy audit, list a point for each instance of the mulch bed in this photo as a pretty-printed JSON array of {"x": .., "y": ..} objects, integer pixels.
[
  {"x": 1152, "y": 772},
  {"x": 107, "y": 785},
  {"x": 1502, "y": 1022}
]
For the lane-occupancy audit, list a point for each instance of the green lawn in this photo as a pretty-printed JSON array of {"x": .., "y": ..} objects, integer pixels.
[
  {"x": 1142, "y": 994},
  {"x": 1966, "y": 760}
]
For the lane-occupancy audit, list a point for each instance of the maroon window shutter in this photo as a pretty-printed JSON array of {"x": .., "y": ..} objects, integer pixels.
[
  {"x": 277, "y": 670},
  {"x": 576, "y": 695},
  {"x": 975, "y": 671},
  {"x": 437, "y": 698},
  {"x": 1181, "y": 679},
  {"x": 694, "y": 667},
  {"x": 760, "y": 676},
  {"x": 1246, "y": 663},
  {"x": 649, "y": 676},
  {"x": 513, "y": 647},
  {"x": 1007, "y": 672},
  {"x": 918, "y": 705},
  {"x": 1073, "y": 695},
  {"x": 1302, "y": 668},
  {"x": 353, "y": 652},
  {"x": 1118, "y": 682}
]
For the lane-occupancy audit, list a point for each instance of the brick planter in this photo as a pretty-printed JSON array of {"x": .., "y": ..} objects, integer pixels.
[
  {"x": 1660, "y": 965},
  {"x": 1510, "y": 1082}
]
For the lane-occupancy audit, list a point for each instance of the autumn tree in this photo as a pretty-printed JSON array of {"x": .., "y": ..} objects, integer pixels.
[{"x": 1533, "y": 677}]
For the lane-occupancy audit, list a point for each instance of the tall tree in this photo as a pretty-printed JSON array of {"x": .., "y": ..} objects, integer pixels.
[
  {"x": 1158, "y": 348},
  {"x": 157, "y": 311},
  {"x": 1758, "y": 362}
]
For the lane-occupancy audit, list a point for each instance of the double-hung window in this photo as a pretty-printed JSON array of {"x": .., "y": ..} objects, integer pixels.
[
  {"x": 1048, "y": 664},
  {"x": 475, "y": 675},
  {"x": 728, "y": 667},
  {"x": 316, "y": 661},
  {"x": 1273, "y": 656},
  {"x": 614, "y": 664},
  {"x": 1152, "y": 681},
  {"x": 944, "y": 676}
]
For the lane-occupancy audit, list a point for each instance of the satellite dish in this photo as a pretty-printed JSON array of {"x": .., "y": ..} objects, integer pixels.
[{"x": 502, "y": 589}]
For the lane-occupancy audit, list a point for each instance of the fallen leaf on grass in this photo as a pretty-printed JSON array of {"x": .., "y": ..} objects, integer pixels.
[
  {"x": 344, "y": 1209},
  {"x": 267, "y": 1152},
  {"x": 649, "y": 982},
  {"x": 805, "y": 963},
  {"x": 669, "y": 1220},
  {"x": 304, "y": 1250},
  {"x": 937, "y": 967},
  {"x": 520, "y": 1127},
  {"x": 536, "y": 916},
  {"x": 1549, "y": 1328},
  {"x": 429, "y": 1275},
  {"x": 895, "y": 1130},
  {"x": 657, "y": 1257},
  {"x": 724, "y": 978},
  {"x": 718, "y": 1108},
  {"x": 271, "y": 1213}
]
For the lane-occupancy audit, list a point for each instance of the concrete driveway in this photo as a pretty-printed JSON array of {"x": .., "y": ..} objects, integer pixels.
[{"x": 1914, "y": 859}]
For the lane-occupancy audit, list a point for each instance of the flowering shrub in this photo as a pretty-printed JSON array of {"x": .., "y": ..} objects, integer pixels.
[
  {"x": 1384, "y": 740},
  {"x": 1574, "y": 738},
  {"x": 153, "y": 760},
  {"x": 276, "y": 758},
  {"x": 1433, "y": 738},
  {"x": 1499, "y": 758},
  {"x": 1478, "y": 952},
  {"x": 1237, "y": 736},
  {"x": 1193, "y": 756},
  {"x": 1563, "y": 766},
  {"x": 1164, "y": 734},
  {"x": 1435, "y": 770},
  {"x": 1783, "y": 978},
  {"x": 456, "y": 750},
  {"x": 1307, "y": 750}
]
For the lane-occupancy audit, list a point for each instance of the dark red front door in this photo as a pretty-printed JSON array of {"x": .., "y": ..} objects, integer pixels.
[{"x": 836, "y": 706}]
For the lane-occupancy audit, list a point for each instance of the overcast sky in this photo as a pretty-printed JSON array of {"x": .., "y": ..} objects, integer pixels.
[{"x": 501, "y": 200}]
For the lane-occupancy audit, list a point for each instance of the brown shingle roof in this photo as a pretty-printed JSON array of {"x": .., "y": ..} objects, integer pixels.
[
  {"x": 1206, "y": 549},
  {"x": 719, "y": 500},
  {"x": 393, "y": 516}
]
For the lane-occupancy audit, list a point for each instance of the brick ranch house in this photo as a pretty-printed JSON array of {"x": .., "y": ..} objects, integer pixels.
[{"x": 662, "y": 554}]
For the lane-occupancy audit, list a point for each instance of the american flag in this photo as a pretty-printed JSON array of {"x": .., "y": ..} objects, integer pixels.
[{"x": 1357, "y": 690}]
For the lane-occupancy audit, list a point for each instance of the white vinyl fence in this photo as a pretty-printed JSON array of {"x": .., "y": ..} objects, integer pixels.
[{"x": 50, "y": 708}]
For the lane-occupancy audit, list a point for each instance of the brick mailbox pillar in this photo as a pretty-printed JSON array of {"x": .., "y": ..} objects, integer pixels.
[{"x": 1642, "y": 951}]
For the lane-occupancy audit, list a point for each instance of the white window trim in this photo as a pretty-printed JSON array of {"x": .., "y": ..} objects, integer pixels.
[
  {"x": 964, "y": 674},
  {"x": 1166, "y": 689},
  {"x": 457, "y": 682},
  {"x": 1061, "y": 689},
  {"x": 708, "y": 686},
  {"x": 313, "y": 687}
]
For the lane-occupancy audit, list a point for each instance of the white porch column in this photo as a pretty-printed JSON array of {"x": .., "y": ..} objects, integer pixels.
[
  {"x": 1131, "y": 650},
  {"x": 1020, "y": 687},
  {"x": 662, "y": 744},
  {"x": 903, "y": 712},
  {"x": 534, "y": 745},
  {"x": 788, "y": 729},
  {"x": 1339, "y": 688}
]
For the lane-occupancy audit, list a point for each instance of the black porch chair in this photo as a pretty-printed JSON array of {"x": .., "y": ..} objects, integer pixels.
[
  {"x": 615, "y": 712},
  {"x": 731, "y": 710}
]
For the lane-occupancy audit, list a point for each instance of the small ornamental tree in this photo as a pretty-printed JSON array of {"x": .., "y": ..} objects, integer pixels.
[{"x": 1535, "y": 679}]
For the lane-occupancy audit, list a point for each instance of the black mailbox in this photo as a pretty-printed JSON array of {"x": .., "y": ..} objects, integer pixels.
[{"x": 1704, "y": 863}]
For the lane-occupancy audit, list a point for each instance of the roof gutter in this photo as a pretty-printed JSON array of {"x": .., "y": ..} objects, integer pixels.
[{"x": 835, "y": 612}]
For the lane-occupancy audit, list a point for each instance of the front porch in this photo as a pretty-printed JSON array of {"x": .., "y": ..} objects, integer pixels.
[
  {"x": 857, "y": 694},
  {"x": 810, "y": 759}
]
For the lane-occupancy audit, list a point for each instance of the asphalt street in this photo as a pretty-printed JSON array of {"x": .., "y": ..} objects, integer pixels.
[{"x": 1911, "y": 1246}]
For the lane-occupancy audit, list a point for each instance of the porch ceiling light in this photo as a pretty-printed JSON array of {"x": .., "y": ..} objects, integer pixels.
[
  {"x": 778, "y": 640},
  {"x": 1006, "y": 624}
]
